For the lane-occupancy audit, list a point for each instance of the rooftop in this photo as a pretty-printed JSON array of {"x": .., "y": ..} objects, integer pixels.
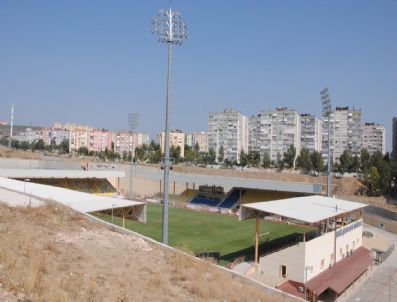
[{"x": 308, "y": 209}]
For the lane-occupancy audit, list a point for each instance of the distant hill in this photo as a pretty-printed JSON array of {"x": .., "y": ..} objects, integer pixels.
[{"x": 5, "y": 129}]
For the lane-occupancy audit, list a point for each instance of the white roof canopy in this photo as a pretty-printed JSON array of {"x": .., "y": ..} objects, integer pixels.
[
  {"x": 79, "y": 201},
  {"x": 308, "y": 209}
]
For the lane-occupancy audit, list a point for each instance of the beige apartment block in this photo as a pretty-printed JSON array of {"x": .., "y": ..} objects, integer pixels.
[
  {"x": 374, "y": 137},
  {"x": 177, "y": 139}
]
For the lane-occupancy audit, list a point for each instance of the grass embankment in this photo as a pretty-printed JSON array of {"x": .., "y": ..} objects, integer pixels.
[{"x": 207, "y": 232}]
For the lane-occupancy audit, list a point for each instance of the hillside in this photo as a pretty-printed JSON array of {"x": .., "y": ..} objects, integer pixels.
[{"x": 53, "y": 254}]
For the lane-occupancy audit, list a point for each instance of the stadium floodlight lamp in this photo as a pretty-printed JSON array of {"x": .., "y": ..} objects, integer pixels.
[{"x": 169, "y": 27}]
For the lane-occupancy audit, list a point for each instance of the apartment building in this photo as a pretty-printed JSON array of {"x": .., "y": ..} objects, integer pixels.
[
  {"x": 230, "y": 130},
  {"x": 345, "y": 132},
  {"x": 100, "y": 140},
  {"x": 177, "y": 139},
  {"x": 79, "y": 138},
  {"x": 54, "y": 136},
  {"x": 29, "y": 135},
  {"x": 311, "y": 132},
  {"x": 200, "y": 139},
  {"x": 274, "y": 131},
  {"x": 374, "y": 137},
  {"x": 189, "y": 139}
]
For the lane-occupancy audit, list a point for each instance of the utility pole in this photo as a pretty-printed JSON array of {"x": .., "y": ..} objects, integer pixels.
[
  {"x": 169, "y": 26},
  {"x": 327, "y": 110}
]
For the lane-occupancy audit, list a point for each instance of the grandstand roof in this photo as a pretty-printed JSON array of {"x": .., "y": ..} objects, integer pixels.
[
  {"x": 80, "y": 201},
  {"x": 52, "y": 173},
  {"x": 308, "y": 209}
]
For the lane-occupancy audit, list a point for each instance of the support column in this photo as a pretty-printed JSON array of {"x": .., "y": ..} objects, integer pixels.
[
  {"x": 123, "y": 218},
  {"x": 160, "y": 190},
  {"x": 174, "y": 189},
  {"x": 257, "y": 242}
]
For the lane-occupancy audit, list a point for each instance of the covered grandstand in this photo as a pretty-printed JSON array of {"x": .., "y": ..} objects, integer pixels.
[
  {"x": 319, "y": 266},
  {"x": 79, "y": 201}
]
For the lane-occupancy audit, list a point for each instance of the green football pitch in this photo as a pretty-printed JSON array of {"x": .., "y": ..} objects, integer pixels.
[{"x": 207, "y": 232}]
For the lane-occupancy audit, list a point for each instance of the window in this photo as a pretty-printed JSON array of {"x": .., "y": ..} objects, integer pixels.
[{"x": 283, "y": 271}]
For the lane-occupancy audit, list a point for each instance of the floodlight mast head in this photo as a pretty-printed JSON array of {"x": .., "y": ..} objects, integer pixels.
[
  {"x": 326, "y": 102},
  {"x": 169, "y": 26}
]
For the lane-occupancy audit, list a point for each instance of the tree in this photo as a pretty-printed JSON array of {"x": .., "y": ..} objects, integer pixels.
[
  {"x": 254, "y": 158},
  {"x": 15, "y": 144},
  {"x": 211, "y": 155},
  {"x": 4, "y": 141},
  {"x": 24, "y": 145},
  {"x": 221, "y": 154},
  {"x": 303, "y": 161},
  {"x": 280, "y": 162},
  {"x": 39, "y": 145},
  {"x": 140, "y": 153},
  {"x": 345, "y": 162},
  {"x": 84, "y": 151},
  {"x": 365, "y": 161},
  {"x": 190, "y": 154},
  {"x": 243, "y": 158},
  {"x": 155, "y": 156},
  {"x": 125, "y": 155},
  {"x": 175, "y": 153},
  {"x": 355, "y": 164},
  {"x": 317, "y": 162},
  {"x": 266, "y": 162},
  {"x": 197, "y": 148},
  {"x": 289, "y": 157},
  {"x": 64, "y": 146},
  {"x": 373, "y": 179}
]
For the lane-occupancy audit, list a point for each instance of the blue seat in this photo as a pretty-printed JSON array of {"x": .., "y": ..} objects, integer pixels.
[
  {"x": 232, "y": 199},
  {"x": 204, "y": 201}
]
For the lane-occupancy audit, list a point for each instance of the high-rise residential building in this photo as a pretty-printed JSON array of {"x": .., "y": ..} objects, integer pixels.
[
  {"x": 100, "y": 140},
  {"x": 274, "y": 131},
  {"x": 127, "y": 141},
  {"x": 177, "y": 139},
  {"x": 311, "y": 132},
  {"x": 228, "y": 129},
  {"x": 189, "y": 139},
  {"x": 345, "y": 133},
  {"x": 201, "y": 139},
  {"x": 374, "y": 137},
  {"x": 394, "y": 150},
  {"x": 143, "y": 138},
  {"x": 54, "y": 136},
  {"x": 79, "y": 138}
]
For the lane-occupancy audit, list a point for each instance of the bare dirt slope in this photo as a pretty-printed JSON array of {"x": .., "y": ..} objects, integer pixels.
[{"x": 51, "y": 253}]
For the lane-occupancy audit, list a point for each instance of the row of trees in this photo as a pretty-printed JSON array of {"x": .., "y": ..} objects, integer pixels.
[{"x": 37, "y": 144}]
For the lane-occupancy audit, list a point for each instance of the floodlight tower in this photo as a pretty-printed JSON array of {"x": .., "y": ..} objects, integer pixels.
[
  {"x": 327, "y": 110},
  {"x": 169, "y": 26},
  {"x": 133, "y": 123}
]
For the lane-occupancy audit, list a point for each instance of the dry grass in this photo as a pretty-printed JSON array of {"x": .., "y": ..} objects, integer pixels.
[
  {"x": 12, "y": 153},
  {"x": 52, "y": 254}
]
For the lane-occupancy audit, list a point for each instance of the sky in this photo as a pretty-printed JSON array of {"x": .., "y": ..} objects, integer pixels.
[{"x": 93, "y": 61}]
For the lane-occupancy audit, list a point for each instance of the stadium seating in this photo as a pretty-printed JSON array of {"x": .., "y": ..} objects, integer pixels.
[
  {"x": 232, "y": 199},
  {"x": 201, "y": 200}
]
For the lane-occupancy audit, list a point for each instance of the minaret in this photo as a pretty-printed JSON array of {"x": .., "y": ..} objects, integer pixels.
[{"x": 11, "y": 124}]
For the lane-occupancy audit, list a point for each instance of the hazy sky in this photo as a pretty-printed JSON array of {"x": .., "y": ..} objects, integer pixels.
[{"x": 92, "y": 62}]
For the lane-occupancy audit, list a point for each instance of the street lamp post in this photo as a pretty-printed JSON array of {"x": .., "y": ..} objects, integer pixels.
[
  {"x": 169, "y": 26},
  {"x": 327, "y": 109}
]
